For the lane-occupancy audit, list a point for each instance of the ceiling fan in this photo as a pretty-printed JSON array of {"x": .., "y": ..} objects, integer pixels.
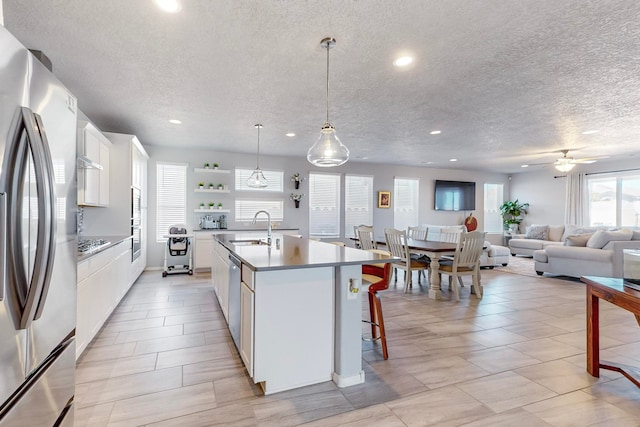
[{"x": 565, "y": 163}]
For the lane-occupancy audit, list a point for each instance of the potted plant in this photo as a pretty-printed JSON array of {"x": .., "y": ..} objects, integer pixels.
[
  {"x": 296, "y": 199},
  {"x": 220, "y": 187},
  {"x": 201, "y": 205},
  {"x": 211, "y": 185},
  {"x": 219, "y": 205},
  {"x": 201, "y": 184},
  {"x": 296, "y": 178},
  {"x": 215, "y": 166},
  {"x": 511, "y": 212},
  {"x": 212, "y": 205},
  {"x": 206, "y": 165}
]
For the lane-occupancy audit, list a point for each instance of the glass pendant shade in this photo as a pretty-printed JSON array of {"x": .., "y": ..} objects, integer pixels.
[
  {"x": 257, "y": 179},
  {"x": 328, "y": 151},
  {"x": 564, "y": 167}
]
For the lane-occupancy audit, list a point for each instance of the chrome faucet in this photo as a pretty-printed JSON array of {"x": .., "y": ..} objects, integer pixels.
[{"x": 268, "y": 224}]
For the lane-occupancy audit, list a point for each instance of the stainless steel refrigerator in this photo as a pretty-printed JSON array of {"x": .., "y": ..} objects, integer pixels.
[{"x": 37, "y": 241}]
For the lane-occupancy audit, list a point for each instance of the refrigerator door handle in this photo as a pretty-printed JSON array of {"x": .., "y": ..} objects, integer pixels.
[
  {"x": 49, "y": 211},
  {"x": 3, "y": 243}
]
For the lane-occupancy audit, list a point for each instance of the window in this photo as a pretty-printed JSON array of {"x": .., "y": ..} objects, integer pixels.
[
  {"x": 358, "y": 202},
  {"x": 614, "y": 199},
  {"x": 274, "y": 178},
  {"x": 493, "y": 198},
  {"x": 324, "y": 205},
  {"x": 405, "y": 202},
  {"x": 245, "y": 210},
  {"x": 171, "y": 186}
]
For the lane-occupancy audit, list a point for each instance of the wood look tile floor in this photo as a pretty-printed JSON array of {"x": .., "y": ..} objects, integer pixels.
[{"x": 517, "y": 356}]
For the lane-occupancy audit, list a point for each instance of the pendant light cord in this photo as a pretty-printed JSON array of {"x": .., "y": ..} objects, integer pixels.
[
  {"x": 328, "y": 47},
  {"x": 258, "y": 152}
]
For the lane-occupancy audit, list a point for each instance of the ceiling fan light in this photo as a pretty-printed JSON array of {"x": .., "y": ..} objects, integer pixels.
[{"x": 564, "y": 167}]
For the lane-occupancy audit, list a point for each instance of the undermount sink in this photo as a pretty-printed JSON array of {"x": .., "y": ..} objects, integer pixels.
[{"x": 251, "y": 242}]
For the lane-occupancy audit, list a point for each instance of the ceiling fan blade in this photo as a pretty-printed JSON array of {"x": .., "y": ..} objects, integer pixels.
[{"x": 589, "y": 160}]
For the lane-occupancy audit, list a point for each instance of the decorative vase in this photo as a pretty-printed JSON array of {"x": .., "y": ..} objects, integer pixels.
[
  {"x": 513, "y": 228},
  {"x": 297, "y": 203},
  {"x": 296, "y": 184}
]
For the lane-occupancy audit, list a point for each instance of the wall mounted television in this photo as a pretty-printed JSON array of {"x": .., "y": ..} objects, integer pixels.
[{"x": 455, "y": 196}]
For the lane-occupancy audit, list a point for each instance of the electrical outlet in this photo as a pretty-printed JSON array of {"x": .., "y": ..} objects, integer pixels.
[{"x": 354, "y": 289}]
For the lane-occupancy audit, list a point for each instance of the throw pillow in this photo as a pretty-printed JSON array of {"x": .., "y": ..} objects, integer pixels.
[
  {"x": 600, "y": 238},
  {"x": 577, "y": 240},
  {"x": 539, "y": 232}
]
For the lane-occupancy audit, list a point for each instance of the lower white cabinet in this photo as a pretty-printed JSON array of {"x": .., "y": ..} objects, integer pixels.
[
  {"x": 247, "y": 299},
  {"x": 203, "y": 250},
  {"x": 219, "y": 262},
  {"x": 103, "y": 280}
]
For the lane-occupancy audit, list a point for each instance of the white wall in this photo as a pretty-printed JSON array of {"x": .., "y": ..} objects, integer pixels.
[
  {"x": 299, "y": 218},
  {"x": 546, "y": 194},
  {"x": 1, "y": 14}
]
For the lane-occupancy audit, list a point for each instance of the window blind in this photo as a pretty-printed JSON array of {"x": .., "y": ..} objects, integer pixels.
[
  {"x": 358, "y": 202},
  {"x": 246, "y": 209},
  {"x": 171, "y": 187},
  {"x": 324, "y": 205},
  {"x": 493, "y": 198},
  {"x": 274, "y": 178},
  {"x": 405, "y": 202}
]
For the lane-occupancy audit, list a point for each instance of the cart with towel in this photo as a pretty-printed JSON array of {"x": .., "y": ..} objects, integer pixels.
[{"x": 178, "y": 246}]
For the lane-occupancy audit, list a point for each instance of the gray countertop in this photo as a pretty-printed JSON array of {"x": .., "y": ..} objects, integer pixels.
[
  {"x": 113, "y": 240},
  {"x": 294, "y": 253}
]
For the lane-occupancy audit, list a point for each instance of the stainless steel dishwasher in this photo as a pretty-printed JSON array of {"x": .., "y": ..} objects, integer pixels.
[{"x": 235, "y": 282}]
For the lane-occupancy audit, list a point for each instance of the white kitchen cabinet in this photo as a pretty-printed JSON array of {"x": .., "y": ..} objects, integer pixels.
[
  {"x": 103, "y": 280},
  {"x": 246, "y": 326},
  {"x": 220, "y": 277},
  {"x": 93, "y": 184},
  {"x": 203, "y": 250}
]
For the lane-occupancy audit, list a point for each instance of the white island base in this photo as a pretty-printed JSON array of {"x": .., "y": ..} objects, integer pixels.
[{"x": 305, "y": 330}]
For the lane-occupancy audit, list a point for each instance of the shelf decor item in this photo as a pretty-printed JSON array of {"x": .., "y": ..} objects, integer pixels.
[
  {"x": 219, "y": 205},
  {"x": 201, "y": 184},
  {"x": 328, "y": 151},
  {"x": 211, "y": 185},
  {"x": 206, "y": 166},
  {"x": 212, "y": 205},
  {"x": 215, "y": 166},
  {"x": 220, "y": 187},
  {"x": 201, "y": 205},
  {"x": 297, "y": 179},
  {"x": 296, "y": 199}
]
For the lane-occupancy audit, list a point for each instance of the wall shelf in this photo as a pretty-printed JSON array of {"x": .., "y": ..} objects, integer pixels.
[
  {"x": 209, "y": 190},
  {"x": 211, "y": 170},
  {"x": 216, "y": 210}
]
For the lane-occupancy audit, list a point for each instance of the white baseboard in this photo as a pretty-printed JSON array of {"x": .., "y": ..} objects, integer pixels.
[{"x": 344, "y": 381}]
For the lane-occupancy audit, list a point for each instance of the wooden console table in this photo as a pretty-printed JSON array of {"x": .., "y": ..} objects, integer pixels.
[{"x": 614, "y": 291}]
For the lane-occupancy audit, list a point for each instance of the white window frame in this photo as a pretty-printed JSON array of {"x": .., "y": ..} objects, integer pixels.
[
  {"x": 275, "y": 179},
  {"x": 618, "y": 197},
  {"x": 493, "y": 197},
  {"x": 405, "y": 215},
  {"x": 175, "y": 198},
  {"x": 330, "y": 211},
  {"x": 358, "y": 202}
]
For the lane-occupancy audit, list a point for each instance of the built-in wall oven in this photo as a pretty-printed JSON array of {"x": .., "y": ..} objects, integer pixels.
[{"x": 136, "y": 223}]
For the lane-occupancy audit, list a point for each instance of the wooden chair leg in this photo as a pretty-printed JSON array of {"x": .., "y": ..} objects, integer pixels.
[
  {"x": 456, "y": 292},
  {"x": 372, "y": 314},
  {"x": 380, "y": 321}
]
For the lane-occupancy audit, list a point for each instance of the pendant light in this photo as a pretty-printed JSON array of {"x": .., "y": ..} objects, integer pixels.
[
  {"x": 328, "y": 151},
  {"x": 257, "y": 179}
]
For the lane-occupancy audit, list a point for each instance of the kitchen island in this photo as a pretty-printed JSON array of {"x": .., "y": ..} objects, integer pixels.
[{"x": 299, "y": 307}]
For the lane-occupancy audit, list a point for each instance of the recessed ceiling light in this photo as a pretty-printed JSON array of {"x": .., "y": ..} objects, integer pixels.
[
  {"x": 590, "y": 132},
  {"x": 435, "y": 132},
  {"x": 524, "y": 166},
  {"x": 290, "y": 134},
  {"x": 175, "y": 122},
  {"x": 403, "y": 61},
  {"x": 362, "y": 157},
  {"x": 426, "y": 163},
  {"x": 453, "y": 160},
  {"x": 169, "y": 6}
]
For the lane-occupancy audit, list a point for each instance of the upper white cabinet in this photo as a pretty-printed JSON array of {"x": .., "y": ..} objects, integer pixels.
[{"x": 93, "y": 183}]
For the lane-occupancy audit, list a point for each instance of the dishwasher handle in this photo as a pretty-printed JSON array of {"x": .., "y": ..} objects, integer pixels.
[{"x": 234, "y": 260}]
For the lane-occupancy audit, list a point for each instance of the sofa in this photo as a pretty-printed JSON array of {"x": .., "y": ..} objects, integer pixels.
[
  {"x": 492, "y": 255},
  {"x": 527, "y": 244},
  {"x": 599, "y": 253}
]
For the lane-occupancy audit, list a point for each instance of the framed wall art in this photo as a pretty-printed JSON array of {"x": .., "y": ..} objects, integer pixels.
[{"x": 384, "y": 199}]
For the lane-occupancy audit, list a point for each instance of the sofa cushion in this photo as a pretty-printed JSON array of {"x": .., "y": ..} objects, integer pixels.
[
  {"x": 539, "y": 232},
  {"x": 555, "y": 232},
  {"x": 570, "y": 230},
  {"x": 526, "y": 243},
  {"x": 600, "y": 238},
  {"x": 582, "y": 254},
  {"x": 577, "y": 240}
]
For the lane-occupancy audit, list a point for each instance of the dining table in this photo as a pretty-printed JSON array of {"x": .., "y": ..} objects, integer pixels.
[{"x": 435, "y": 251}]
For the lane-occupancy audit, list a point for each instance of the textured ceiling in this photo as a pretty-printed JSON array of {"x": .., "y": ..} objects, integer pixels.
[{"x": 506, "y": 82}]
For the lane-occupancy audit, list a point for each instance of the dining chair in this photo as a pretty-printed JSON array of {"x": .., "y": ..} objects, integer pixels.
[
  {"x": 450, "y": 234},
  {"x": 378, "y": 275},
  {"x": 466, "y": 262},
  {"x": 366, "y": 238},
  {"x": 397, "y": 245},
  {"x": 418, "y": 233}
]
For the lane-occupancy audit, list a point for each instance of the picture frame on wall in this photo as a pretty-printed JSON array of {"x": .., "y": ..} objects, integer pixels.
[{"x": 384, "y": 199}]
